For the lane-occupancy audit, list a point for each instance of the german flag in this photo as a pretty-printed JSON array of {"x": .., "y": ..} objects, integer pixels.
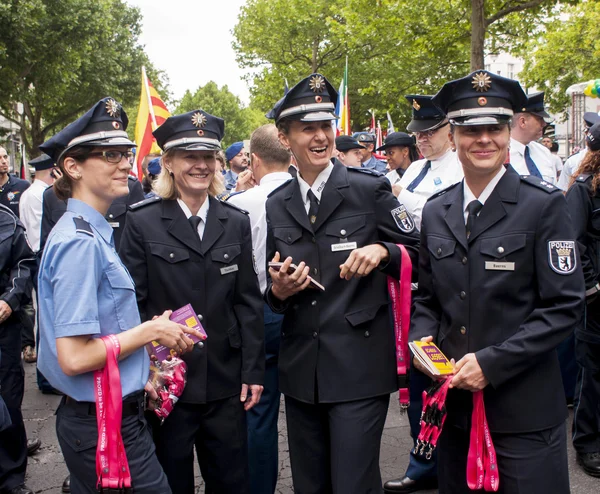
[{"x": 152, "y": 113}]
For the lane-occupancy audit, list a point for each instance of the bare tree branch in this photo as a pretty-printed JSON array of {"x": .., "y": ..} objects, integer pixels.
[{"x": 518, "y": 7}]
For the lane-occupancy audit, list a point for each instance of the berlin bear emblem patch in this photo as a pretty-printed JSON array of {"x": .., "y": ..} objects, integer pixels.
[
  {"x": 562, "y": 256},
  {"x": 403, "y": 219}
]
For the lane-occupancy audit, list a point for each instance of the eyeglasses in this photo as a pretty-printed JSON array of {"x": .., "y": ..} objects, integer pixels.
[
  {"x": 428, "y": 133},
  {"x": 114, "y": 156}
]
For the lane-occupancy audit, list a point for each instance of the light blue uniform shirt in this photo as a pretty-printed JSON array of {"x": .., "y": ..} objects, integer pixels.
[
  {"x": 374, "y": 164},
  {"x": 84, "y": 289}
]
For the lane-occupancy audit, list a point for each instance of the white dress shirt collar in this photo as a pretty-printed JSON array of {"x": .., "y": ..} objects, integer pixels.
[
  {"x": 436, "y": 163},
  {"x": 202, "y": 213},
  {"x": 317, "y": 186},
  {"x": 274, "y": 177},
  {"x": 485, "y": 194}
]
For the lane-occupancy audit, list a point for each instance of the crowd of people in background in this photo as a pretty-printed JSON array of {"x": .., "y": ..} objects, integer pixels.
[{"x": 506, "y": 275}]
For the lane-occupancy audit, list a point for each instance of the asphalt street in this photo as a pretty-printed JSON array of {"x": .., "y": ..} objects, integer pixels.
[{"x": 46, "y": 469}]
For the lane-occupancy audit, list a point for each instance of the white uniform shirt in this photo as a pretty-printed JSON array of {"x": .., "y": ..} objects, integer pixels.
[
  {"x": 202, "y": 212},
  {"x": 317, "y": 186},
  {"x": 393, "y": 177},
  {"x": 444, "y": 172},
  {"x": 253, "y": 201},
  {"x": 30, "y": 212},
  {"x": 468, "y": 196},
  {"x": 569, "y": 168},
  {"x": 541, "y": 156}
]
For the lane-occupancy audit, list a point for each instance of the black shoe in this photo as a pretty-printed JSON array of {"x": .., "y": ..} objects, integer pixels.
[
  {"x": 33, "y": 445},
  {"x": 66, "y": 487},
  {"x": 406, "y": 485},
  {"x": 22, "y": 489},
  {"x": 590, "y": 462}
]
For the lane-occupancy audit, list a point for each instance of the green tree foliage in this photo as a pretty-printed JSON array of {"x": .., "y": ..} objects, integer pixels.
[
  {"x": 566, "y": 53},
  {"x": 394, "y": 47},
  {"x": 57, "y": 57},
  {"x": 239, "y": 120}
]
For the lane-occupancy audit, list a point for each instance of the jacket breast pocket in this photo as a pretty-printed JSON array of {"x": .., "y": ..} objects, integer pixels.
[
  {"x": 288, "y": 235},
  {"x": 363, "y": 316},
  {"x": 502, "y": 247},
  {"x": 169, "y": 253},
  {"x": 227, "y": 254},
  {"x": 346, "y": 228},
  {"x": 439, "y": 247}
]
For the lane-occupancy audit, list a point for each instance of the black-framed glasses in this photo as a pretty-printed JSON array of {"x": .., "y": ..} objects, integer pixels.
[
  {"x": 429, "y": 133},
  {"x": 113, "y": 156}
]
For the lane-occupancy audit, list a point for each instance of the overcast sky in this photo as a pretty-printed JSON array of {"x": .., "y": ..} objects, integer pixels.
[{"x": 191, "y": 41}]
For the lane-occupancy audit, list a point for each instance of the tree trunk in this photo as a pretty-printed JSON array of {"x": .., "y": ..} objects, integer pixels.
[{"x": 477, "y": 34}]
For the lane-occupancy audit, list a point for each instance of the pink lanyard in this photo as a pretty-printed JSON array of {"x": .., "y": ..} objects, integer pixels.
[
  {"x": 400, "y": 295},
  {"x": 112, "y": 467},
  {"x": 482, "y": 468}
]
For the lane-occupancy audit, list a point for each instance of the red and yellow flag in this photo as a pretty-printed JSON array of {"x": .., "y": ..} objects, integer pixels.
[{"x": 152, "y": 113}]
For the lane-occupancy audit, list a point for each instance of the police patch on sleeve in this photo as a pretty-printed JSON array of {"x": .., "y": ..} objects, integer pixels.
[
  {"x": 562, "y": 256},
  {"x": 403, "y": 219}
]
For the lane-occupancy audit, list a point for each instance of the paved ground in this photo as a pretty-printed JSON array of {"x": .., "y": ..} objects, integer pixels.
[{"x": 46, "y": 470}]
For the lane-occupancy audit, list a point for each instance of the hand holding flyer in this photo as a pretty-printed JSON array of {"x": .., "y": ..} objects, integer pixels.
[{"x": 431, "y": 357}]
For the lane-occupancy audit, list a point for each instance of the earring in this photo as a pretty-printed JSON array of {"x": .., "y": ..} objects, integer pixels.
[{"x": 78, "y": 176}]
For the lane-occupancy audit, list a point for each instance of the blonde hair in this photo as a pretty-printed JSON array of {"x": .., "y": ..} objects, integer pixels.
[{"x": 165, "y": 187}]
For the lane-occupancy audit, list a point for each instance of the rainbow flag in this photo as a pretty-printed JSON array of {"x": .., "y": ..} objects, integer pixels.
[
  {"x": 342, "y": 108},
  {"x": 152, "y": 114}
]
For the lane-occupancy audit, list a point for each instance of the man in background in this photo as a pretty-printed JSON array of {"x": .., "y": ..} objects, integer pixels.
[
  {"x": 368, "y": 159},
  {"x": 237, "y": 158}
]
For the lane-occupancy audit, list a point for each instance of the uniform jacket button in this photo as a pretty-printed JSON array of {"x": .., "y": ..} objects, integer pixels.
[
  {"x": 367, "y": 334},
  {"x": 315, "y": 271},
  {"x": 313, "y": 303},
  {"x": 314, "y": 240},
  {"x": 463, "y": 295},
  {"x": 171, "y": 255},
  {"x": 289, "y": 239},
  {"x": 78, "y": 442},
  {"x": 463, "y": 330},
  {"x": 315, "y": 334},
  {"x": 110, "y": 216},
  {"x": 500, "y": 250},
  {"x": 464, "y": 260},
  {"x": 343, "y": 232},
  {"x": 200, "y": 344},
  {"x": 225, "y": 256},
  {"x": 439, "y": 251},
  {"x": 200, "y": 317}
]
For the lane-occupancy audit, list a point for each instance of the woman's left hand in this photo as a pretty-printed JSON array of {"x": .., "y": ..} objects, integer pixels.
[
  {"x": 5, "y": 311},
  {"x": 255, "y": 393}
]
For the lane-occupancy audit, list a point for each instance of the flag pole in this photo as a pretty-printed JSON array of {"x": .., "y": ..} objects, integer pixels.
[{"x": 150, "y": 106}]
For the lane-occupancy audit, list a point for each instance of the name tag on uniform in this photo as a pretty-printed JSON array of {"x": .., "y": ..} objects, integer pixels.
[
  {"x": 229, "y": 269},
  {"x": 499, "y": 266},
  {"x": 343, "y": 246},
  {"x": 114, "y": 224}
]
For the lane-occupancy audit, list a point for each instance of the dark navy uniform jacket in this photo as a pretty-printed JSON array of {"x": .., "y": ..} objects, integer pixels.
[
  {"x": 10, "y": 193},
  {"x": 171, "y": 267},
  {"x": 510, "y": 294},
  {"x": 342, "y": 338},
  {"x": 53, "y": 209},
  {"x": 584, "y": 209}
]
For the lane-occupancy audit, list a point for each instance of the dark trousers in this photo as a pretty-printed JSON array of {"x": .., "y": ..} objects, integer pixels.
[
  {"x": 419, "y": 467},
  {"x": 218, "y": 432},
  {"x": 586, "y": 417},
  {"x": 27, "y": 313},
  {"x": 13, "y": 440},
  {"x": 529, "y": 463},
  {"x": 77, "y": 433},
  {"x": 263, "y": 438},
  {"x": 334, "y": 447}
]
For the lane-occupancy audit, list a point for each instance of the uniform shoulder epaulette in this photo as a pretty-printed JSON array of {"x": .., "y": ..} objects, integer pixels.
[
  {"x": 366, "y": 171},
  {"x": 228, "y": 193},
  {"x": 282, "y": 186},
  {"x": 582, "y": 177},
  {"x": 82, "y": 226},
  {"x": 539, "y": 183},
  {"x": 145, "y": 202},
  {"x": 132, "y": 178},
  {"x": 233, "y": 206},
  {"x": 443, "y": 191}
]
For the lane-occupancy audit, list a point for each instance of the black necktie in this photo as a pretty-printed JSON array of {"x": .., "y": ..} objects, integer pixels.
[
  {"x": 531, "y": 167},
  {"x": 419, "y": 178},
  {"x": 473, "y": 209},
  {"x": 195, "y": 221},
  {"x": 314, "y": 206}
]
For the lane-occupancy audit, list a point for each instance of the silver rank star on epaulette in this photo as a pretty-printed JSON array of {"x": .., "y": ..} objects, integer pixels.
[{"x": 546, "y": 184}]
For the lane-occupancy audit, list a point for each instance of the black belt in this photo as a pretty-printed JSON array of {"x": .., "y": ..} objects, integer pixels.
[{"x": 131, "y": 405}]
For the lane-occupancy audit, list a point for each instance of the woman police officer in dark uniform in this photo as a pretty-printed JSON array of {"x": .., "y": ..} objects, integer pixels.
[
  {"x": 188, "y": 247},
  {"x": 85, "y": 293}
]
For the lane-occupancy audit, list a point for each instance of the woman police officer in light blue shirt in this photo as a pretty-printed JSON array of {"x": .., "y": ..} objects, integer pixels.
[{"x": 85, "y": 292}]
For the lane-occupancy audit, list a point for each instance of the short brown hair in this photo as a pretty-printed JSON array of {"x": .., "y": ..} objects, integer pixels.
[
  {"x": 265, "y": 143},
  {"x": 165, "y": 186}
]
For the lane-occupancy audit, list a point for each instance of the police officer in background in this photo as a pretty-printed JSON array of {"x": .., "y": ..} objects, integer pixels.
[
  {"x": 11, "y": 187},
  {"x": 337, "y": 364},
  {"x": 500, "y": 286},
  {"x": 368, "y": 160},
  {"x": 238, "y": 162},
  {"x": 400, "y": 151},
  {"x": 583, "y": 199},
  {"x": 572, "y": 163},
  {"x": 349, "y": 151},
  {"x": 187, "y": 247},
  {"x": 527, "y": 156},
  {"x": 17, "y": 263}
]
